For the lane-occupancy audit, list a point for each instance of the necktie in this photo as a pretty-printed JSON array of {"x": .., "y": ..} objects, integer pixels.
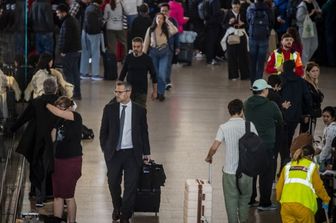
[{"x": 121, "y": 129}]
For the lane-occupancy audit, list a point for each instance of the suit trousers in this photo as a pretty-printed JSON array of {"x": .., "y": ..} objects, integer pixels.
[{"x": 123, "y": 162}]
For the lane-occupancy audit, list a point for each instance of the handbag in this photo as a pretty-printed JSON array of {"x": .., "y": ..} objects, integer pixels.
[
  {"x": 233, "y": 39},
  {"x": 308, "y": 28}
]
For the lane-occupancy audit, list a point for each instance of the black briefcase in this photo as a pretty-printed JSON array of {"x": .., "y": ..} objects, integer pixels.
[{"x": 152, "y": 176}]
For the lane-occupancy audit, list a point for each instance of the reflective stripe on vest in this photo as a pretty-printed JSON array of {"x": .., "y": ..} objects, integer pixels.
[
  {"x": 280, "y": 59},
  {"x": 306, "y": 182}
]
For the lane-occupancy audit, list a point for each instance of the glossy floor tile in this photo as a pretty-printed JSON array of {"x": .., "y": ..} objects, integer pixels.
[{"x": 181, "y": 129}]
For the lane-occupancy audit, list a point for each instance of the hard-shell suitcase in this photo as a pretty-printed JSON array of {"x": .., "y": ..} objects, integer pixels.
[
  {"x": 186, "y": 53},
  {"x": 110, "y": 66},
  {"x": 198, "y": 200}
]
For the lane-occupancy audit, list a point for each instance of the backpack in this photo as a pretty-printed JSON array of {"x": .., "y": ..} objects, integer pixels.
[
  {"x": 203, "y": 9},
  {"x": 252, "y": 154},
  {"x": 92, "y": 22},
  {"x": 259, "y": 27}
]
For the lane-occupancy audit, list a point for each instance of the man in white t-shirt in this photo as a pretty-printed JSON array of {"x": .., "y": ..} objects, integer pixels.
[{"x": 230, "y": 132}]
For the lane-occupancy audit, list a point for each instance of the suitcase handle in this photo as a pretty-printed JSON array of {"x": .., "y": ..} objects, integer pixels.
[{"x": 210, "y": 173}]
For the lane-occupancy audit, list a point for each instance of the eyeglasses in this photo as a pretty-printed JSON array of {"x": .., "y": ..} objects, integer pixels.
[{"x": 120, "y": 92}]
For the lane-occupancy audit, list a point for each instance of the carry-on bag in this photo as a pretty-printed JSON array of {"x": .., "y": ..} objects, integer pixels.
[
  {"x": 198, "y": 200},
  {"x": 148, "y": 197},
  {"x": 186, "y": 53},
  {"x": 110, "y": 66}
]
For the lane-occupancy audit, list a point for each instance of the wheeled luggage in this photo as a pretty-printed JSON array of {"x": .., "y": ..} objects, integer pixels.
[
  {"x": 148, "y": 195},
  {"x": 110, "y": 66},
  {"x": 186, "y": 53},
  {"x": 198, "y": 200}
]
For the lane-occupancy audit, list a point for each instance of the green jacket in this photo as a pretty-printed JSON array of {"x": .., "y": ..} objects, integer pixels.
[{"x": 265, "y": 115}]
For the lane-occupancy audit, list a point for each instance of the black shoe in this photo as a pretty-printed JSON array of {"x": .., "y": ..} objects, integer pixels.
[
  {"x": 115, "y": 215},
  {"x": 124, "y": 219},
  {"x": 161, "y": 97}
]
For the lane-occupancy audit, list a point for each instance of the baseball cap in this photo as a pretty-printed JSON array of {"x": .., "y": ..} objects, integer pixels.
[{"x": 259, "y": 85}]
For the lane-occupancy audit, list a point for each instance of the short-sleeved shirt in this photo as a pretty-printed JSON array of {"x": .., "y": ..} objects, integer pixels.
[
  {"x": 230, "y": 132},
  {"x": 68, "y": 138}
]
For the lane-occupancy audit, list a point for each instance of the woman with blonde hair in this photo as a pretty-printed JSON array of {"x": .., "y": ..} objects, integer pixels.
[
  {"x": 68, "y": 156},
  {"x": 44, "y": 71},
  {"x": 298, "y": 186},
  {"x": 312, "y": 73}
]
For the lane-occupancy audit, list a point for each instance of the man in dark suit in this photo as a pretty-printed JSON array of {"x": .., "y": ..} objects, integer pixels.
[
  {"x": 36, "y": 144},
  {"x": 124, "y": 141}
]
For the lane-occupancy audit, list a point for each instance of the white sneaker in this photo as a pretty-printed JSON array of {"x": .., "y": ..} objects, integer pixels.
[
  {"x": 85, "y": 76},
  {"x": 272, "y": 207},
  {"x": 96, "y": 78},
  {"x": 199, "y": 55}
]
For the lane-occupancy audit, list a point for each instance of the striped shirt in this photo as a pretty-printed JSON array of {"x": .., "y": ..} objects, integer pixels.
[{"x": 229, "y": 133}]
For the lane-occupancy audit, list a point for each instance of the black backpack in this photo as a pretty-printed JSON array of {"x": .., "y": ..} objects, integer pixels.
[
  {"x": 259, "y": 27},
  {"x": 252, "y": 154},
  {"x": 92, "y": 22}
]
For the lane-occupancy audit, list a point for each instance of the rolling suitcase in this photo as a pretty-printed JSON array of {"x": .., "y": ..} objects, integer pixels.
[
  {"x": 198, "y": 200},
  {"x": 186, "y": 53},
  {"x": 110, "y": 66},
  {"x": 148, "y": 195}
]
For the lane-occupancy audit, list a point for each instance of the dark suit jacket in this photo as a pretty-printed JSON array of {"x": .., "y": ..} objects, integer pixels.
[
  {"x": 109, "y": 131},
  {"x": 36, "y": 144}
]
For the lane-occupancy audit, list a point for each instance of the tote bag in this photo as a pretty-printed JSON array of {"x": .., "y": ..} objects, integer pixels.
[{"x": 308, "y": 28}]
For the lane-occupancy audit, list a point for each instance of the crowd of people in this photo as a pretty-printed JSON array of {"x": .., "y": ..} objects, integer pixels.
[{"x": 145, "y": 38}]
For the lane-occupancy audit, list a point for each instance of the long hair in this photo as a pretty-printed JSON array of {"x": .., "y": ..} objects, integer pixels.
[
  {"x": 43, "y": 62},
  {"x": 303, "y": 152},
  {"x": 164, "y": 26},
  {"x": 113, "y": 4},
  {"x": 307, "y": 77}
]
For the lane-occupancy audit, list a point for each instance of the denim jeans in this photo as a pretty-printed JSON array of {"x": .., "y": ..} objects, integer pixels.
[
  {"x": 44, "y": 43},
  {"x": 161, "y": 62},
  {"x": 258, "y": 52},
  {"x": 169, "y": 68},
  {"x": 130, "y": 19},
  {"x": 71, "y": 70},
  {"x": 90, "y": 49}
]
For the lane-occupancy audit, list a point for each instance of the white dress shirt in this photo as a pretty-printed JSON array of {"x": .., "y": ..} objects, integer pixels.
[
  {"x": 230, "y": 132},
  {"x": 126, "y": 142}
]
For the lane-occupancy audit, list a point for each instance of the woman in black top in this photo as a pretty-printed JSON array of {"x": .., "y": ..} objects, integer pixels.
[
  {"x": 312, "y": 74},
  {"x": 68, "y": 156}
]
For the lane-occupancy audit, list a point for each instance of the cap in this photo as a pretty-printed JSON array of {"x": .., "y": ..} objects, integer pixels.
[{"x": 259, "y": 85}]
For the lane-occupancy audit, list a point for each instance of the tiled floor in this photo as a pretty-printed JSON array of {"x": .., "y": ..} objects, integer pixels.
[{"x": 182, "y": 129}]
